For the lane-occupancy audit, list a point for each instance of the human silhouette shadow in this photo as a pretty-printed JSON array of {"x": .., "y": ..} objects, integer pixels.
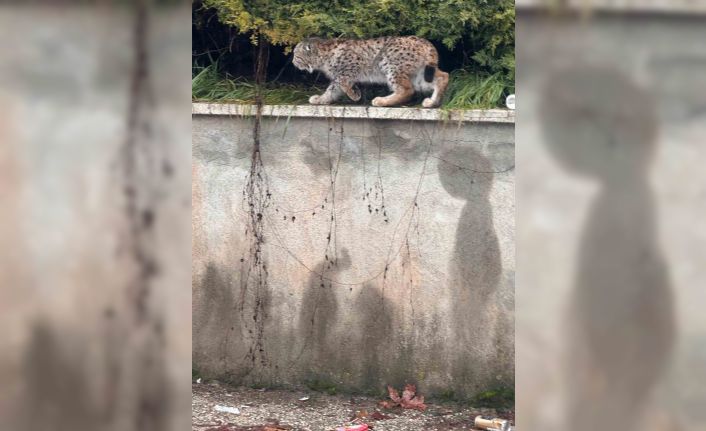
[
  {"x": 213, "y": 317},
  {"x": 318, "y": 315},
  {"x": 467, "y": 174},
  {"x": 59, "y": 389},
  {"x": 377, "y": 341},
  {"x": 57, "y": 384},
  {"x": 600, "y": 125}
]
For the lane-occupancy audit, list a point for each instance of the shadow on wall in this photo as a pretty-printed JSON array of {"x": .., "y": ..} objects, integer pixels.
[
  {"x": 51, "y": 374},
  {"x": 599, "y": 124},
  {"x": 215, "y": 318},
  {"x": 321, "y": 349},
  {"x": 330, "y": 350},
  {"x": 467, "y": 174},
  {"x": 66, "y": 389},
  {"x": 376, "y": 350}
]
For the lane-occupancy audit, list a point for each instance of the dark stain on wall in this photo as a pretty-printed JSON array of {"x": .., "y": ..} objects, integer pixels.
[
  {"x": 376, "y": 139},
  {"x": 407, "y": 147},
  {"x": 315, "y": 157}
]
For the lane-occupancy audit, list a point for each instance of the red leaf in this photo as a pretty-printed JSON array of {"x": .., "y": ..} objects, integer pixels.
[
  {"x": 408, "y": 393},
  {"x": 415, "y": 403},
  {"x": 388, "y": 404},
  {"x": 407, "y": 401},
  {"x": 394, "y": 395}
]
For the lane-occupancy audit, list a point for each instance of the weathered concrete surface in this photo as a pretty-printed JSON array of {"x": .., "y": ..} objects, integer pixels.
[
  {"x": 367, "y": 112},
  {"x": 387, "y": 253}
]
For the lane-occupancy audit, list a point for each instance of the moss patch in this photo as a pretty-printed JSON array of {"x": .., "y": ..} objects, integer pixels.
[
  {"x": 322, "y": 385},
  {"x": 499, "y": 398}
]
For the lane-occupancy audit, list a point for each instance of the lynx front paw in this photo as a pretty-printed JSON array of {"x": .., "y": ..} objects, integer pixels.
[
  {"x": 379, "y": 101},
  {"x": 317, "y": 100},
  {"x": 429, "y": 103}
]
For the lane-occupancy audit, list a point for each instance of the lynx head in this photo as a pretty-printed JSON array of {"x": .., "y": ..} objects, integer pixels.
[{"x": 308, "y": 54}]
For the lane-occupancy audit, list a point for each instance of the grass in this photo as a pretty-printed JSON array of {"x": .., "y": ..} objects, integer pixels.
[
  {"x": 495, "y": 398},
  {"x": 466, "y": 90},
  {"x": 469, "y": 90},
  {"x": 446, "y": 396},
  {"x": 208, "y": 85}
]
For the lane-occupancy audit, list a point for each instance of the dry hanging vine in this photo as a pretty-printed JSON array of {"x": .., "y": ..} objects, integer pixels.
[
  {"x": 257, "y": 196},
  {"x": 144, "y": 330}
]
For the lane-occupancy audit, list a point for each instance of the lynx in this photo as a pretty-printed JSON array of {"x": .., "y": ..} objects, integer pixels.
[{"x": 406, "y": 64}]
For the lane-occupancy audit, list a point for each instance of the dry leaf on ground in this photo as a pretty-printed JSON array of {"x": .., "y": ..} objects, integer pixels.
[{"x": 408, "y": 400}]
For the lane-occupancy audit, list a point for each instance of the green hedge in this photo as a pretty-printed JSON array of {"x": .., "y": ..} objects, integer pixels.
[{"x": 484, "y": 28}]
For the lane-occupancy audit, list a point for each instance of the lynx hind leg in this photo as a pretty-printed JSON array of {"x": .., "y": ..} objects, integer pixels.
[
  {"x": 349, "y": 87},
  {"x": 332, "y": 93},
  {"x": 402, "y": 91},
  {"x": 441, "y": 81}
]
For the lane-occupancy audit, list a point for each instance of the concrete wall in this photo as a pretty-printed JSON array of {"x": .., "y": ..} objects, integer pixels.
[{"x": 362, "y": 252}]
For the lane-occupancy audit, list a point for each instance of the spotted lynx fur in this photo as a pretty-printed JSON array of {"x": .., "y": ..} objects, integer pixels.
[{"x": 406, "y": 64}]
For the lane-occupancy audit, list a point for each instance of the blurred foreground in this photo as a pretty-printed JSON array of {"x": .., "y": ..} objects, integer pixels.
[
  {"x": 95, "y": 231},
  {"x": 611, "y": 123}
]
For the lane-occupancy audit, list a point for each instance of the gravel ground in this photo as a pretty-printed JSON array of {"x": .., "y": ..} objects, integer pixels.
[{"x": 275, "y": 410}]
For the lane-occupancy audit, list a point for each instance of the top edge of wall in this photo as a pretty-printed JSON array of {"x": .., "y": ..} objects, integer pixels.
[
  {"x": 627, "y": 7},
  {"x": 369, "y": 112}
]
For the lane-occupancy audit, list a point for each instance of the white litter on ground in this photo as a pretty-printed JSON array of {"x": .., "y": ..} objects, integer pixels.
[{"x": 226, "y": 409}]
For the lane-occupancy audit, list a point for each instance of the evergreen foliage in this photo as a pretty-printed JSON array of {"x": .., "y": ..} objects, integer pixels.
[{"x": 482, "y": 30}]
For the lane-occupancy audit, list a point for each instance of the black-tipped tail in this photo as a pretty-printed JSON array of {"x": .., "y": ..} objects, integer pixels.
[{"x": 429, "y": 73}]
